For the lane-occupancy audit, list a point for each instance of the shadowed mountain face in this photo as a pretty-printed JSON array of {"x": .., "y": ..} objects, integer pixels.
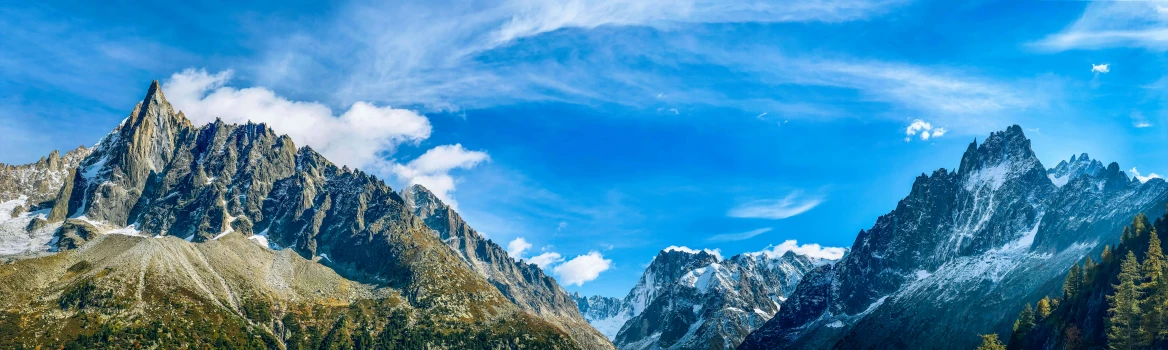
[
  {"x": 524, "y": 284},
  {"x": 157, "y": 175},
  {"x": 961, "y": 251}
]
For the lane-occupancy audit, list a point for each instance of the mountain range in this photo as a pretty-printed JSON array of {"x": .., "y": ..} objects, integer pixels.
[
  {"x": 230, "y": 235},
  {"x": 165, "y": 234},
  {"x": 963, "y": 252},
  {"x": 695, "y": 299}
]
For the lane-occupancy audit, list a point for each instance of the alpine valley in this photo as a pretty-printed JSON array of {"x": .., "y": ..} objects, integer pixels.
[{"x": 170, "y": 235}]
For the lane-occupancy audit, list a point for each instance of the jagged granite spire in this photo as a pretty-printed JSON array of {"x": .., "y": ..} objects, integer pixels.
[
  {"x": 156, "y": 177},
  {"x": 110, "y": 181}
]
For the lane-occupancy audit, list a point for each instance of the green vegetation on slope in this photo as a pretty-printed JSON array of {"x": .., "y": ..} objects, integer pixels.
[{"x": 1121, "y": 302}]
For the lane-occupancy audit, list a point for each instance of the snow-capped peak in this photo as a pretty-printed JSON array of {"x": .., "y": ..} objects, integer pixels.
[
  {"x": 1066, "y": 171},
  {"x": 715, "y": 252}
]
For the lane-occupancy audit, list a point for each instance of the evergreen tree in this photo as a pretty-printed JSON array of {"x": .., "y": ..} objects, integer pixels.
[
  {"x": 1126, "y": 236},
  {"x": 1025, "y": 322},
  {"x": 1044, "y": 308},
  {"x": 1106, "y": 256},
  {"x": 1155, "y": 287},
  {"x": 990, "y": 342},
  {"x": 1073, "y": 283},
  {"x": 1123, "y": 323},
  {"x": 1089, "y": 267},
  {"x": 1141, "y": 226}
]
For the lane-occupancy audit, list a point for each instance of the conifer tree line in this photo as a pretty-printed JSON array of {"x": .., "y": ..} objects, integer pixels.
[{"x": 1119, "y": 302}]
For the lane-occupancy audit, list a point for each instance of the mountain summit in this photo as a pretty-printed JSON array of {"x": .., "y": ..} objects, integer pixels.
[
  {"x": 246, "y": 238},
  {"x": 1000, "y": 231}
]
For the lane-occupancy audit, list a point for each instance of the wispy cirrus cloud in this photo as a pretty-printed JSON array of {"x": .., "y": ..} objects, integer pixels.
[
  {"x": 445, "y": 55},
  {"x": 793, "y": 204},
  {"x": 1106, "y": 24},
  {"x": 739, "y": 236}
]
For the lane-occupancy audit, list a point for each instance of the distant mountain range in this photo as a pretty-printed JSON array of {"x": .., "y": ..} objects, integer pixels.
[{"x": 694, "y": 299}]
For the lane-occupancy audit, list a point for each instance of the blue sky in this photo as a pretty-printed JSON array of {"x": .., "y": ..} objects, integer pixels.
[{"x": 618, "y": 127}]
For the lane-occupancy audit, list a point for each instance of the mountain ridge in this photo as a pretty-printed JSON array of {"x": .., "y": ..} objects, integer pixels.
[
  {"x": 695, "y": 299},
  {"x": 156, "y": 175},
  {"x": 959, "y": 241}
]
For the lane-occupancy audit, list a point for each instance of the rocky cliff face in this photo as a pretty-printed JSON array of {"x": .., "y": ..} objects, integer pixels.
[
  {"x": 157, "y": 175},
  {"x": 601, "y": 312},
  {"x": 689, "y": 299},
  {"x": 39, "y": 182},
  {"x": 969, "y": 246},
  {"x": 524, "y": 284}
]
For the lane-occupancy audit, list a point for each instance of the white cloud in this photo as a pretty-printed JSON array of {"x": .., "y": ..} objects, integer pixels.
[
  {"x": 1135, "y": 173},
  {"x": 1106, "y": 24},
  {"x": 362, "y": 137},
  {"x": 924, "y": 129},
  {"x": 728, "y": 237},
  {"x": 938, "y": 132},
  {"x": 516, "y": 247},
  {"x": 812, "y": 250},
  {"x": 937, "y": 91},
  {"x": 582, "y": 268},
  {"x": 1100, "y": 68},
  {"x": 546, "y": 259},
  {"x": 355, "y": 138},
  {"x": 715, "y": 252},
  {"x": 561, "y": 226},
  {"x": 429, "y": 53},
  {"x": 791, "y": 205},
  {"x": 535, "y": 17},
  {"x": 432, "y": 169}
]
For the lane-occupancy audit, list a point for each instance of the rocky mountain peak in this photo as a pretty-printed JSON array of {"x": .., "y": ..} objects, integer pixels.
[
  {"x": 423, "y": 202},
  {"x": 1008, "y": 146},
  {"x": 1081, "y": 165},
  {"x": 681, "y": 258}
]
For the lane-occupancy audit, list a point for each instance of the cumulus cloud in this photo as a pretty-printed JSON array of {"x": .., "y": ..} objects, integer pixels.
[
  {"x": 715, "y": 252},
  {"x": 582, "y": 268},
  {"x": 924, "y": 129},
  {"x": 361, "y": 137},
  {"x": 516, "y": 247},
  {"x": 812, "y": 250},
  {"x": 1100, "y": 68},
  {"x": 355, "y": 138},
  {"x": 432, "y": 169},
  {"x": 546, "y": 259},
  {"x": 1136, "y": 173},
  {"x": 728, "y": 237},
  {"x": 791, "y": 205}
]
